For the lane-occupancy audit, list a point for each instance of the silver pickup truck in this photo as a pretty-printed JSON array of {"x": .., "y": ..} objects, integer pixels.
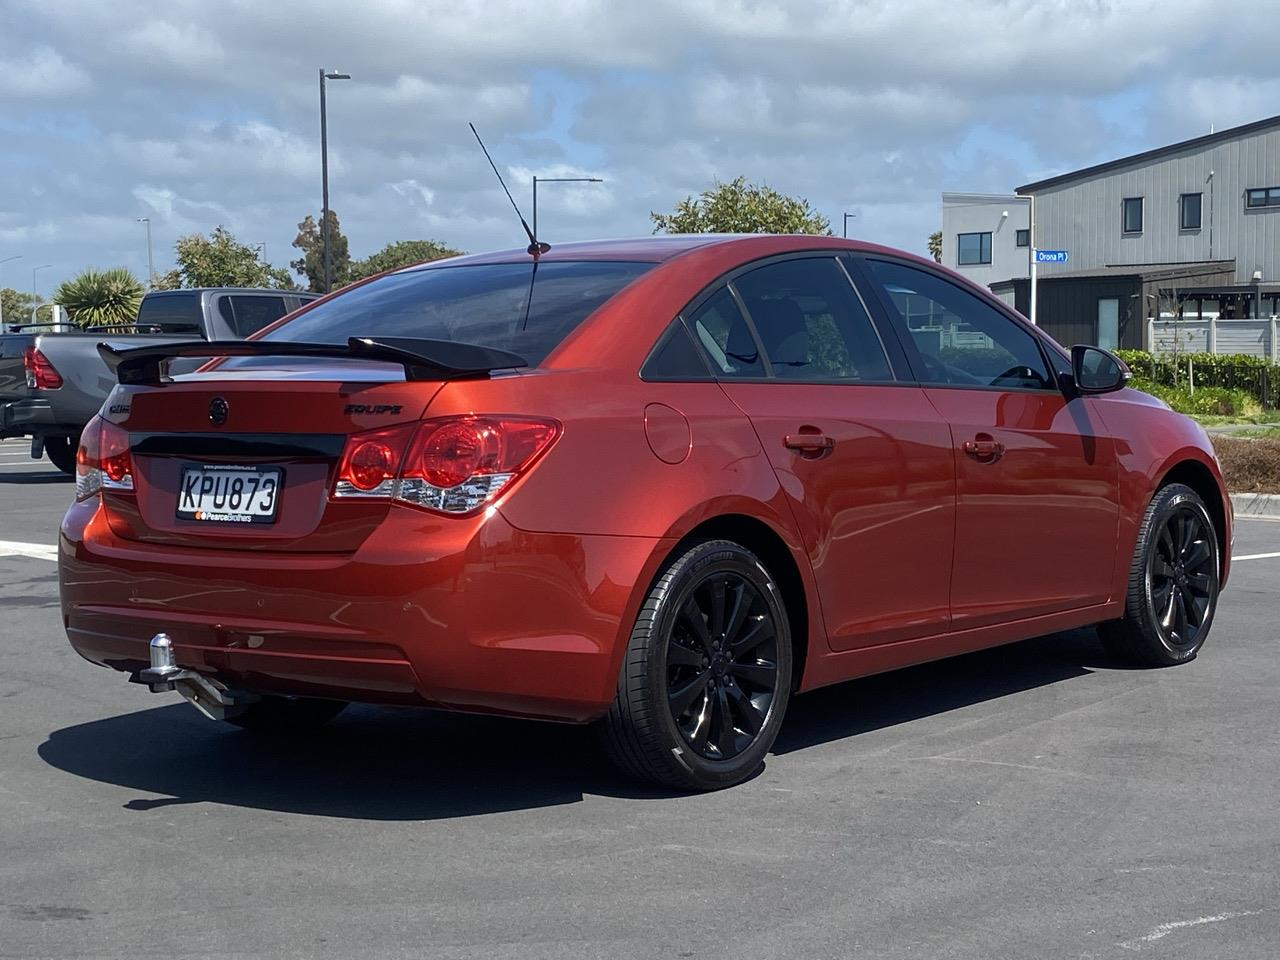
[{"x": 52, "y": 384}]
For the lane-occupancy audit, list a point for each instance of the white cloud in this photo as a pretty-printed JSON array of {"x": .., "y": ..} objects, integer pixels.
[{"x": 40, "y": 73}]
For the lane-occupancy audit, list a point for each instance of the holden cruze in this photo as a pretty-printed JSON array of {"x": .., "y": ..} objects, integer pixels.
[{"x": 660, "y": 485}]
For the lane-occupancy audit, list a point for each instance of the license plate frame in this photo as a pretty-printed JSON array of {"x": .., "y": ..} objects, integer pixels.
[{"x": 259, "y": 505}]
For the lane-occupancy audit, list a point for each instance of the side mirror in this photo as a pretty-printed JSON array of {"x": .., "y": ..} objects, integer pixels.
[{"x": 1096, "y": 370}]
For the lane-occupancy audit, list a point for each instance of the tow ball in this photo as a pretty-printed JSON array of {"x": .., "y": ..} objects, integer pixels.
[{"x": 208, "y": 696}]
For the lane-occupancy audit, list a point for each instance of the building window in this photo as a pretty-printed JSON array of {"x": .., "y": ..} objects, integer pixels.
[
  {"x": 1132, "y": 218},
  {"x": 974, "y": 248},
  {"x": 1189, "y": 211},
  {"x": 1022, "y": 238},
  {"x": 1262, "y": 197}
]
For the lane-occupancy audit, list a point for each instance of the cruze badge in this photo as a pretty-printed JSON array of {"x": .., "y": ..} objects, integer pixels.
[{"x": 218, "y": 411}]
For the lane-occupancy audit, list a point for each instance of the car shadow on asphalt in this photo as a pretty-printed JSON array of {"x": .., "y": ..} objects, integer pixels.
[{"x": 403, "y": 764}]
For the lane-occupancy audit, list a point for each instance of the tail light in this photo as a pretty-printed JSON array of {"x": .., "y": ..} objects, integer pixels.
[
  {"x": 41, "y": 374},
  {"x": 103, "y": 461},
  {"x": 453, "y": 465}
]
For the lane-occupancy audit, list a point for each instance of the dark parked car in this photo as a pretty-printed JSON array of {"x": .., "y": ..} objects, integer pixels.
[
  {"x": 51, "y": 384},
  {"x": 660, "y": 485}
]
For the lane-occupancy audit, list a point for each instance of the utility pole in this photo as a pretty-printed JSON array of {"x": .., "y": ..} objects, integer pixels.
[
  {"x": 324, "y": 174},
  {"x": 151, "y": 268}
]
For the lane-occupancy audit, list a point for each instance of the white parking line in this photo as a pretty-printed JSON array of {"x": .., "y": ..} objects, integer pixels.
[
  {"x": 1255, "y": 556},
  {"x": 37, "y": 551}
]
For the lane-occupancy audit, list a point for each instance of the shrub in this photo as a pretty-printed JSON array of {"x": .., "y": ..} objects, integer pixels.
[
  {"x": 1255, "y": 376},
  {"x": 1249, "y": 465},
  {"x": 1206, "y": 401}
]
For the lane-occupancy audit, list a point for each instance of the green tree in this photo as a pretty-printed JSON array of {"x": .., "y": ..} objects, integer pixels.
[
  {"x": 402, "y": 253},
  {"x": 16, "y": 306},
  {"x": 741, "y": 207},
  {"x": 935, "y": 246},
  {"x": 101, "y": 298},
  {"x": 311, "y": 263},
  {"x": 220, "y": 260}
]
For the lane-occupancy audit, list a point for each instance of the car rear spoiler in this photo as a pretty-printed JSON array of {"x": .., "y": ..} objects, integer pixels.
[{"x": 421, "y": 359}]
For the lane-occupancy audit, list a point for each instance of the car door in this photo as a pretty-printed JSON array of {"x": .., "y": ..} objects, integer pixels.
[
  {"x": 864, "y": 459},
  {"x": 1036, "y": 475}
]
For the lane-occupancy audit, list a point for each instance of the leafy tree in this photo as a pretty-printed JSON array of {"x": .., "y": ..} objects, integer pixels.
[
  {"x": 17, "y": 307},
  {"x": 741, "y": 207},
  {"x": 220, "y": 260},
  {"x": 935, "y": 246},
  {"x": 311, "y": 263},
  {"x": 402, "y": 253},
  {"x": 101, "y": 298}
]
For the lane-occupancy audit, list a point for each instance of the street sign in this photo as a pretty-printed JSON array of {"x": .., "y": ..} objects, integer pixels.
[{"x": 1051, "y": 256}]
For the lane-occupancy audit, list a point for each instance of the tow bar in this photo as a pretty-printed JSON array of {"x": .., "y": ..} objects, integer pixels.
[{"x": 208, "y": 696}]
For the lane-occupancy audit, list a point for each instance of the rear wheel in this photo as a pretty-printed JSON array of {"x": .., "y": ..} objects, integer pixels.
[
  {"x": 61, "y": 452},
  {"x": 1173, "y": 583},
  {"x": 286, "y": 714},
  {"x": 707, "y": 673}
]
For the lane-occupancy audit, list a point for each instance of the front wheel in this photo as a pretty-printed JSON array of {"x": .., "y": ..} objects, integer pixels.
[
  {"x": 707, "y": 673},
  {"x": 1173, "y": 583}
]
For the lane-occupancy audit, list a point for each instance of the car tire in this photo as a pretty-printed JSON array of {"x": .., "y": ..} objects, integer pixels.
[
  {"x": 1173, "y": 583},
  {"x": 288, "y": 715},
  {"x": 61, "y": 452},
  {"x": 706, "y": 678}
]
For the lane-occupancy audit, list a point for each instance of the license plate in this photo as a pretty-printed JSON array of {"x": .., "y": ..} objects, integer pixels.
[{"x": 228, "y": 494}]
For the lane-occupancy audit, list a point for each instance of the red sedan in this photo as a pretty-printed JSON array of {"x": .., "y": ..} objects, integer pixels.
[{"x": 659, "y": 484}]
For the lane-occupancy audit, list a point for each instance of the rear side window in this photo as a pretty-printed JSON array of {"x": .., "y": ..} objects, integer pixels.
[
  {"x": 958, "y": 338},
  {"x": 527, "y": 308},
  {"x": 811, "y": 323},
  {"x": 675, "y": 357},
  {"x": 719, "y": 326},
  {"x": 249, "y": 313},
  {"x": 171, "y": 313}
]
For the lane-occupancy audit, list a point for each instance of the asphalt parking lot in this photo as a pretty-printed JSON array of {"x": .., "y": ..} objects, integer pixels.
[{"x": 1033, "y": 801}]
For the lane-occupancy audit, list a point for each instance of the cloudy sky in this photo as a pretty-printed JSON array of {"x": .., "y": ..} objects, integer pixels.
[{"x": 204, "y": 112}]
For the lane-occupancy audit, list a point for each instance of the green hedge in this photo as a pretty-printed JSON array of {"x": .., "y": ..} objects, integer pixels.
[{"x": 1254, "y": 377}]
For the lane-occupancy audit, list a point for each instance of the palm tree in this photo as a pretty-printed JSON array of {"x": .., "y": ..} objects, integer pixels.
[{"x": 101, "y": 298}]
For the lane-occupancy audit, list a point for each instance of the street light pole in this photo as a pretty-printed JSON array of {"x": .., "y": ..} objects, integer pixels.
[
  {"x": 537, "y": 180},
  {"x": 5, "y": 260},
  {"x": 324, "y": 172},
  {"x": 151, "y": 266},
  {"x": 35, "y": 296},
  {"x": 847, "y": 217}
]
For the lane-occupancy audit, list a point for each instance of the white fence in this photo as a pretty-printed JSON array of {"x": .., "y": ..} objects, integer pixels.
[{"x": 1257, "y": 338}]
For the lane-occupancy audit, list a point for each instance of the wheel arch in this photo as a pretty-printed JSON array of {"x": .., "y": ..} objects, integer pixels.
[
  {"x": 767, "y": 544},
  {"x": 1194, "y": 473}
]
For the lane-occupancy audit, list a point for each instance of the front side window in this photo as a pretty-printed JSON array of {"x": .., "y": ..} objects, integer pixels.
[
  {"x": 960, "y": 340},
  {"x": 811, "y": 322},
  {"x": 718, "y": 325},
  {"x": 527, "y": 308},
  {"x": 1131, "y": 215},
  {"x": 973, "y": 248},
  {"x": 1189, "y": 211}
]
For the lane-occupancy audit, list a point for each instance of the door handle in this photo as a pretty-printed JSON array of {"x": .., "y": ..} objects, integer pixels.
[
  {"x": 808, "y": 443},
  {"x": 984, "y": 449}
]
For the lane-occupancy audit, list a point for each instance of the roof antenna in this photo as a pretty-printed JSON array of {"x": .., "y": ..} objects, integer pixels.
[{"x": 536, "y": 248}]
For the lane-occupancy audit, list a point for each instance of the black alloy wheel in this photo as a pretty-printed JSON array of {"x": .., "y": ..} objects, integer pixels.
[
  {"x": 1183, "y": 572},
  {"x": 722, "y": 666},
  {"x": 1174, "y": 579},
  {"x": 706, "y": 678}
]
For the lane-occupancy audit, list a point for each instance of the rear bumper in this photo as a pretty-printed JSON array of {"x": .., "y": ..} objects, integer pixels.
[
  {"x": 494, "y": 620},
  {"x": 29, "y": 417}
]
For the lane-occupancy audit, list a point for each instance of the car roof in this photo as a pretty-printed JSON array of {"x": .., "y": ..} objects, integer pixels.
[{"x": 651, "y": 249}]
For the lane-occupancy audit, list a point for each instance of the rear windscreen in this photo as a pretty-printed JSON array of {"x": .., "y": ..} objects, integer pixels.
[
  {"x": 171, "y": 313},
  {"x": 526, "y": 308}
]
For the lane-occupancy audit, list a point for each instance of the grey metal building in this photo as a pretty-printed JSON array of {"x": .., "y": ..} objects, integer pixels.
[{"x": 1187, "y": 235}]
